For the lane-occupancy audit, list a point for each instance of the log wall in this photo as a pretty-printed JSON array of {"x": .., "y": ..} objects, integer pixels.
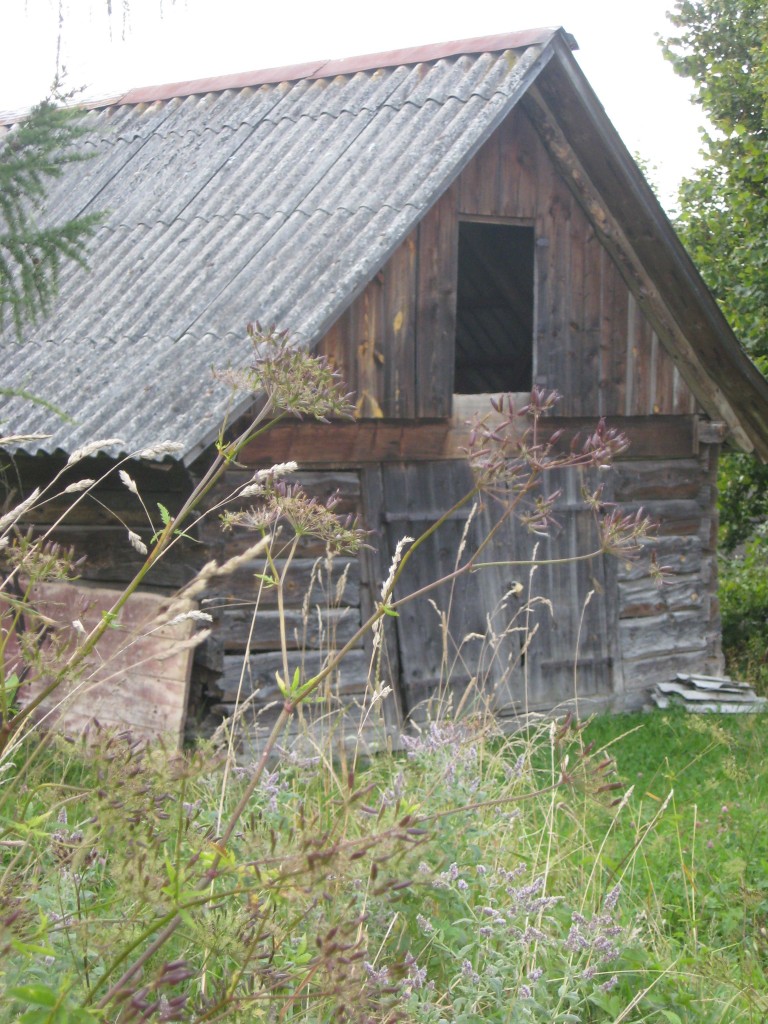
[{"x": 474, "y": 634}]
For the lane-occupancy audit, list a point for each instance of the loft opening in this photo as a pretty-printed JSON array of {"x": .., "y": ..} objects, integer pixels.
[{"x": 494, "y": 308}]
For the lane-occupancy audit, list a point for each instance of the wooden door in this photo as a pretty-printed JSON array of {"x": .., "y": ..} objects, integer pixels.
[{"x": 510, "y": 635}]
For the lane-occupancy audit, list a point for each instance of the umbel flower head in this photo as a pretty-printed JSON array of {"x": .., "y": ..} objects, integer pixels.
[
  {"x": 506, "y": 446},
  {"x": 282, "y": 502},
  {"x": 292, "y": 379}
]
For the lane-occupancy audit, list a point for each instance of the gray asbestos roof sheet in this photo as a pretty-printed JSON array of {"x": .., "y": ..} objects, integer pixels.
[{"x": 275, "y": 203}]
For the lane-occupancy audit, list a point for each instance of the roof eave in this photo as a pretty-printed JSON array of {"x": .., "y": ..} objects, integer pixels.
[{"x": 629, "y": 219}]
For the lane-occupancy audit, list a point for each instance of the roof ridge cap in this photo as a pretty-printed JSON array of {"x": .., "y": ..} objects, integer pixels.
[{"x": 338, "y": 66}]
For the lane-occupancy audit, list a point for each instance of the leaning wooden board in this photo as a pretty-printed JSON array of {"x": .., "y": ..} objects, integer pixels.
[{"x": 138, "y": 677}]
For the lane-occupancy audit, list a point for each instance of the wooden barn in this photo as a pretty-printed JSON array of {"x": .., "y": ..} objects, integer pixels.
[{"x": 444, "y": 224}]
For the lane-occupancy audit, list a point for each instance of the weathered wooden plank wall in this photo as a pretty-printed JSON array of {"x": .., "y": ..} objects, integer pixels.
[
  {"x": 509, "y": 633},
  {"x": 592, "y": 342}
]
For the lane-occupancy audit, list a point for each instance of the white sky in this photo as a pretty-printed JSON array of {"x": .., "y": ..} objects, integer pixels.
[{"x": 173, "y": 40}]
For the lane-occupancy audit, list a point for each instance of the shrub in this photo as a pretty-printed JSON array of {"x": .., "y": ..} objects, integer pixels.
[{"x": 744, "y": 610}]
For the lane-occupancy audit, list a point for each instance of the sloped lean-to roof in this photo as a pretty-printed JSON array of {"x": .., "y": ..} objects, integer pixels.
[{"x": 277, "y": 195}]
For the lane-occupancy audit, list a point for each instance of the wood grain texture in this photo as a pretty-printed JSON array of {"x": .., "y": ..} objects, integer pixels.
[
  {"x": 592, "y": 340},
  {"x": 138, "y": 678}
]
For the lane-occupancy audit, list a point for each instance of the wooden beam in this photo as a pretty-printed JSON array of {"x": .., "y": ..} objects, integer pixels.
[{"x": 365, "y": 442}]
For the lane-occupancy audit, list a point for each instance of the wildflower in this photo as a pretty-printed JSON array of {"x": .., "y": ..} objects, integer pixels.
[
  {"x": 425, "y": 925},
  {"x": 610, "y": 901},
  {"x": 417, "y": 976},
  {"x": 576, "y": 942},
  {"x": 469, "y": 972},
  {"x": 306, "y": 516},
  {"x": 612, "y": 982},
  {"x": 379, "y": 977}
]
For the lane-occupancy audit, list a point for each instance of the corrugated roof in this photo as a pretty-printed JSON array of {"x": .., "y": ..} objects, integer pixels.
[
  {"x": 277, "y": 195},
  {"x": 261, "y": 197}
]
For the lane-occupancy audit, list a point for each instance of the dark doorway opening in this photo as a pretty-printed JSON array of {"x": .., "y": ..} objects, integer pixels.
[{"x": 494, "y": 309}]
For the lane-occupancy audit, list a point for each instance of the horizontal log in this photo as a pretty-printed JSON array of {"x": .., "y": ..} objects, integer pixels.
[
  {"x": 643, "y": 598},
  {"x": 673, "y": 633},
  {"x": 678, "y": 554},
  {"x": 236, "y": 542},
  {"x": 111, "y": 560},
  {"x": 673, "y": 518},
  {"x": 260, "y": 669},
  {"x": 656, "y": 480},
  {"x": 369, "y": 441},
  {"x": 321, "y": 485},
  {"x": 320, "y": 631}
]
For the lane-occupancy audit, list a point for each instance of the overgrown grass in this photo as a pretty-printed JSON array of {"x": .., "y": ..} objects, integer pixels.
[{"x": 472, "y": 879}]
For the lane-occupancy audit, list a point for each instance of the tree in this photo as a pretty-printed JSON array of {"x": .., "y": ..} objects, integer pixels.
[
  {"x": 722, "y": 46},
  {"x": 32, "y": 251}
]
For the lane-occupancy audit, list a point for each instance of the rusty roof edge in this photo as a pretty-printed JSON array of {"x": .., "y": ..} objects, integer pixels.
[
  {"x": 323, "y": 68},
  {"x": 346, "y": 65}
]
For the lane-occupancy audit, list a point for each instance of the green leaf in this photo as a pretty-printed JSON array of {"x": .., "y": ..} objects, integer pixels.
[
  {"x": 39, "y": 1016},
  {"x": 38, "y": 995},
  {"x": 165, "y": 515},
  {"x": 11, "y": 685},
  {"x": 266, "y": 578}
]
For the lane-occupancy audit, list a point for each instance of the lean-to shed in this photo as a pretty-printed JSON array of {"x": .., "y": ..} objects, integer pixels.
[{"x": 442, "y": 223}]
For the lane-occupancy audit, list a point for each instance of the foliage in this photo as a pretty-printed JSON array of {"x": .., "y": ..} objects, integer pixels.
[
  {"x": 744, "y": 609},
  {"x": 705, "y": 871},
  {"x": 32, "y": 252},
  {"x": 722, "y": 46}
]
